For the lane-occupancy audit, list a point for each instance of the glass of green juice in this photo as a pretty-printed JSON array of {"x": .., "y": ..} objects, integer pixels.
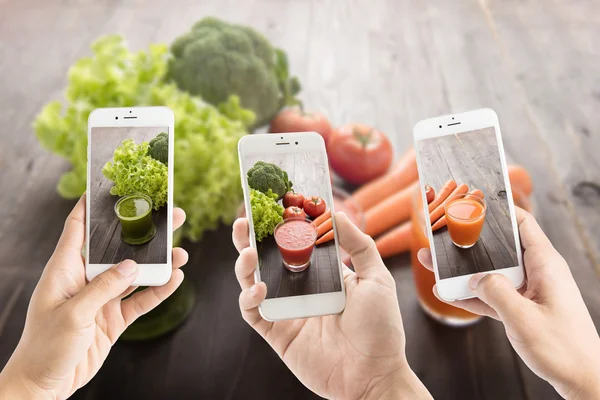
[{"x": 135, "y": 213}]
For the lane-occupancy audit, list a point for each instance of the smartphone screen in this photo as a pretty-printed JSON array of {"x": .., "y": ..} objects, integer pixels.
[
  {"x": 478, "y": 233},
  {"x": 295, "y": 259},
  {"x": 128, "y": 194}
]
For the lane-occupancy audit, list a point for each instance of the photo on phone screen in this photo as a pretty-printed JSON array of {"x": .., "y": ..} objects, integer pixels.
[
  {"x": 293, "y": 259},
  {"x": 478, "y": 234},
  {"x": 128, "y": 193}
]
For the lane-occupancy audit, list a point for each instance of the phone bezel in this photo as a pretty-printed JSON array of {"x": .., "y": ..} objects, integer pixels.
[
  {"x": 148, "y": 274},
  {"x": 303, "y": 306},
  {"x": 457, "y": 288}
]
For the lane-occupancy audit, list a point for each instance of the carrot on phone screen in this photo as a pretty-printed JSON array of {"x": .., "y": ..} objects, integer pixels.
[
  {"x": 324, "y": 227},
  {"x": 439, "y": 210},
  {"x": 429, "y": 193},
  {"x": 395, "y": 241},
  {"x": 520, "y": 178},
  {"x": 322, "y": 218},
  {"x": 443, "y": 194},
  {"x": 440, "y": 223},
  {"x": 325, "y": 238},
  {"x": 389, "y": 213},
  {"x": 402, "y": 174}
]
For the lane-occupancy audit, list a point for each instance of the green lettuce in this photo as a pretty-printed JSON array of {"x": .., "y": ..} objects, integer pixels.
[
  {"x": 266, "y": 213},
  {"x": 206, "y": 170},
  {"x": 134, "y": 171}
]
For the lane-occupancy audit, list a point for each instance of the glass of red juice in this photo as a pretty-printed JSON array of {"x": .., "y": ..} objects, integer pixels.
[{"x": 296, "y": 239}]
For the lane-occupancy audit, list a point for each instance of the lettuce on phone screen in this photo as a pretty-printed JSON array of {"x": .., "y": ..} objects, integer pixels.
[
  {"x": 128, "y": 194},
  {"x": 472, "y": 229},
  {"x": 288, "y": 191}
]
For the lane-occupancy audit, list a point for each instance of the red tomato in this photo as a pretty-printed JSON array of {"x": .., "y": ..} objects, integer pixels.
[
  {"x": 314, "y": 206},
  {"x": 293, "y": 119},
  {"x": 359, "y": 153},
  {"x": 293, "y": 212},
  {"x": 293, "y": 199}
]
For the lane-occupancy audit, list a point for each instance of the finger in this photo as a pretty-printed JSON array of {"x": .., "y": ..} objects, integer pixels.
[
  {"x": 498, "y": 292},
  {"x": 250, "y": 299},
  {"x": 180, "y": 257},
  {"x": 474, "y": 306},
  {"x": 361, "y": 248},
  {"x": 529, "y": 230},
  {"x": 178, "y": 218},
  {"x": 107, "y": 286},
  {"x": 240, "y": 234},
  {"x": 73, "y": 235},
  {"x": 245, "y": 267},
  {"x": 146, "y": 300},
  {"x": 424, "y": 256}
]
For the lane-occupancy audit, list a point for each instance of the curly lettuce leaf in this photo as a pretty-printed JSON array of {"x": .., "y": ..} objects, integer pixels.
[
  {"x": 206, "y": 170},
  {"x": 133, "y": 171},
  {"x": 266, "y": 213}
]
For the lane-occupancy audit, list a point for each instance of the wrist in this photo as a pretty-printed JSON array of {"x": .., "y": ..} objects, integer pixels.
[
  {"x": 17, "y": 386},
  {"x": 401, "y": 383},
  {"x": 587, "y": 384}
]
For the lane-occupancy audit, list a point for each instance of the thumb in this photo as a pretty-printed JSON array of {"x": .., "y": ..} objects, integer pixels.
[
  {"x": 361, "y": 248},
  {"x": 498, "y": 292},
  {"x": 106, "y": 286}
]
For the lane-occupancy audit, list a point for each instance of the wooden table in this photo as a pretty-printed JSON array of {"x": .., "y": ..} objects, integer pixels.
[{"x": 386, "y": 63}]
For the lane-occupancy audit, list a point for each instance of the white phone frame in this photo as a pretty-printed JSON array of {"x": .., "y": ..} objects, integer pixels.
[
  {"x": 148, "y": 274},
  {"x": 302, "y": 306},
  {"x": 457, "y": 288}
]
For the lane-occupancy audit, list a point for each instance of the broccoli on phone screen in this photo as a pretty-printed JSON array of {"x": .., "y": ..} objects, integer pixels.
[{"x": 264, "y": 176}]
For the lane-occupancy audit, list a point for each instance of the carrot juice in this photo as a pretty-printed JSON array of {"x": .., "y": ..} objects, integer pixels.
[
  {"x": 425, "y": 279},
  {"x": 465, "y": 215}
]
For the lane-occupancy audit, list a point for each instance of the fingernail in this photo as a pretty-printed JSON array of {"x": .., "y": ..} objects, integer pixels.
[
  {"x": 127, "y": 268},
  {"x": 474, "y": 281}
]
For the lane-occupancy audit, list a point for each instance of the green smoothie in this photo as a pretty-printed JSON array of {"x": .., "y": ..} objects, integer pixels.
[{"x": 135, "y": 213}]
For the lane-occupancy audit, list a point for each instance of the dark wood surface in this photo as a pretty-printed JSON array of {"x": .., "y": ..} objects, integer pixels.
[
  {"x": 472, "y": 158},
  {"x": 384, "y": 62},
  {"x": 308, "y": 173},
  {"x": 106, "y": 245}
]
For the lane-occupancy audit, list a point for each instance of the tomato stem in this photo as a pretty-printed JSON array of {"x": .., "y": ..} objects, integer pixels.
[{"x": 363, "y": 138}]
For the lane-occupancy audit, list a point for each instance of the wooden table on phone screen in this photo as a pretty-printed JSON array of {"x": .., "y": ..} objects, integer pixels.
[{"x": 384, "y": 62}]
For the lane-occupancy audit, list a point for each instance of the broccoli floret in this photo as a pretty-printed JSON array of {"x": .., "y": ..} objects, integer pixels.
[
  {"x": 217, "y": 59},
  {"x": 158, "y": 148},
  {"x": 264, "y": 176}
]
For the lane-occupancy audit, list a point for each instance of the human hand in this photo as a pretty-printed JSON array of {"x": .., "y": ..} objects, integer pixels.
[
  {"x": 546, "y": 321},
  {"x": 71, "y": 326},
  {"x": 356, "y": 354}
]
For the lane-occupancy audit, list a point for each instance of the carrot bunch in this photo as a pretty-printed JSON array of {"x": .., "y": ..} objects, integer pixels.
[{"x": 387, "y": 204}]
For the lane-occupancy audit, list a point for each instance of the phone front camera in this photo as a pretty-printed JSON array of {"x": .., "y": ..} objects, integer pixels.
[
  {"x": 296, "y": 142},
  {"x": 440, "y": 127},
  {"x": 116, "y": 117}
]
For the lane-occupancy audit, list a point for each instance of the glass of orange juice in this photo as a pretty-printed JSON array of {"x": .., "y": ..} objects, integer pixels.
[
  {"x": 465, "y": 215},
  {"x": 425, "y": 279}
]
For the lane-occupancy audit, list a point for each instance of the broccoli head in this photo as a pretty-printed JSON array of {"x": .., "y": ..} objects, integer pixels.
[
  {"x": 264, "y": 176},
  {"x": 158, "y": 148},
  {"x": 217, "y": 59}
]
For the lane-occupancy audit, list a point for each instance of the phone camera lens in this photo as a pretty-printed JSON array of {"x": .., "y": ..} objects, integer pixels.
[
  {"x": 130, "y": 113},
  {"x": 296, "y": 142},
  {"x": 440, "y": 127},
  {"x": 116, "y": 117}
]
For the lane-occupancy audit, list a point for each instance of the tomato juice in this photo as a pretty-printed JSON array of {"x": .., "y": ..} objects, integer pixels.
[{"x": 296, "y": 240}]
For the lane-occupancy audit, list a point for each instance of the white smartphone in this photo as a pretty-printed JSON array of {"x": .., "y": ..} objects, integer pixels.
[
  {"x": 129, "y": 199},
  {"x": 480, "y": 232},
  {"x": 302, "y": 270}
]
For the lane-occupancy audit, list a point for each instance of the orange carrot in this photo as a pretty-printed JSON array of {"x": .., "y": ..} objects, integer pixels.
[
  {"x": 322, "y": 218},
  {"x": 439, "y": 210},
  {"x": 326, "y": 237},
  {"x": 400, "y": 176},
  {"x": 390, "y": 212},
  {"x": 429, "y": 193},
  {"x": 520, "y": 178},
  {"x": 443, "y": 194},
  {"x": 395, "y": 241},
  {"x": 440, "y": 223},
  {"x": 324, "y": 228}
]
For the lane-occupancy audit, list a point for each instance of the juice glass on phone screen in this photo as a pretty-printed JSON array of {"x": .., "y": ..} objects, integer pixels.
[
  {"x": 425, "y": 279},
  {"x": 465, "y": 215},
  {"x": 296, "y": 239},
  {"x": 135, "y": 214}
]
